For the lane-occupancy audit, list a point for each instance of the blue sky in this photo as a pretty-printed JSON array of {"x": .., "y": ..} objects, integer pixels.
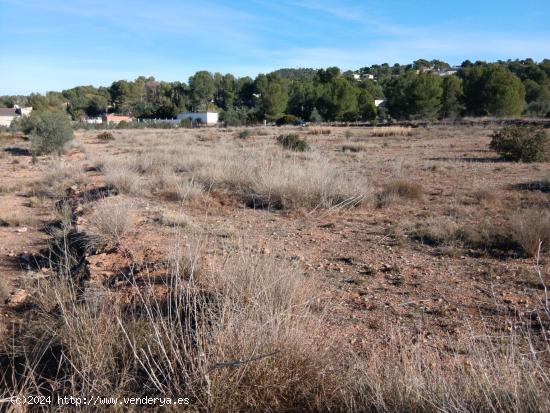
[{"x": 54, "y": 44}]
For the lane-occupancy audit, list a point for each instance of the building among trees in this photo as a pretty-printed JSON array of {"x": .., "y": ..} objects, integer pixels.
[
  {"x": 7, "y": 115},
  {"x": 206, "y": 118}
]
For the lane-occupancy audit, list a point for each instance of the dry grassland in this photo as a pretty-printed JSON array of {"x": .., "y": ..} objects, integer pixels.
[{"x": 384, "y": 270}]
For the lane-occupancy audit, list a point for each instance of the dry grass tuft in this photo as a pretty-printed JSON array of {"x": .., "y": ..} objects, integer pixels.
[
  {"x": 385, "y": 131},
  {"x": 530, "y": 228},
  {"x": 57, "y": 177},
  {"x": 287, "y": 185},
  {"x": 436, "y": 231},
  {"x": 37, "y": 201},
  {"x": 399, "y": 189},
  {"x": 174, "y": 219},
  {"x": 123, "y": 178},
  {"x": 171, "y": 186},
  {"x": 494, "y": 375},
  {"x": 15, "y": 219},
  {"x": 353, "y": 148},
  {"x": 319, "y": 132},
  {"x": 484, "y": 196},
  {"x": 111, "y": 219},
  {"x": 4, "y": 292}
]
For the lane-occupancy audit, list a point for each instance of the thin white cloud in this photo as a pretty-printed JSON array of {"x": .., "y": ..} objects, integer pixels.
[{"x": 172, "y": 39}]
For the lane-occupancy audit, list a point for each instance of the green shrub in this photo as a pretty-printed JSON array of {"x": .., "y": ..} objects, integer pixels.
[
  {"x": 105, "y": 136},
  {"x": 286, "y": 120},
  {"x": 539, "y": 108},
  {"x": 293, "y": 142},
  {"x": 245, "y": 134},
  {"x": 186, "y": 123},
  {"x": 49, "y": 132},
  {"x": 521, "y": 143}
]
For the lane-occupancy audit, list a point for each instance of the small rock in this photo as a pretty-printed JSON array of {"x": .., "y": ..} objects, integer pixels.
[
  {"x": 16, "y": 298},
  {"x": 22, "y": 230}
]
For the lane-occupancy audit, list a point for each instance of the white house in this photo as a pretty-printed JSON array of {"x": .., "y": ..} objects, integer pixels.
[
  {"x": 7, "y": 115},
  {"x": 206, "y": 118},
  {"x": 379, "y": 102},
  {"x": 98, "y": 119},
  {"x": 448, "y": 72},
  {"x": 368, "y": 76}
]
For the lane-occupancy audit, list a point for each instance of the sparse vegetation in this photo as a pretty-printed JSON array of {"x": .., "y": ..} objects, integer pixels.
[
  {"x": 123, "y": 178},
  {"x": 4, "y": 293},
  {"x": 111, "y": 219},
  {"x": 521, "y": 143},
  {"x": 154, "y": 277},
  {"x": 531, "y": 228},
  {"x": 174, "y": 219},
  {"x": 436, "y": 231},
  {"x": 105, "y": 136},
  {"x": 353, "y": 148},
  {"x": 293, "y": 142},
  {"x": 399, "y": 189},
  {"x": 245, "y": 134},
  {"x": 319, "y": 131},
  {"x": 385, "y": 131},
  {"x": 14, "y": 219}
]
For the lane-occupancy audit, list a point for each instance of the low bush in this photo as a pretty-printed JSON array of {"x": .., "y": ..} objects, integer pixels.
[
  {"x": 530, "y": 228},
  {"x": 539, "y": 108},
  {"x": 245, "y": 134},
  {"x": 436, "y": 231},
  {"x": 105, "y": 136},
  {"x": 353, "y": 148},
  {"x": 14, "y": 219},
  {"x": 111, "y": 219},
  {"x": 399, "y": 189},
  {"x": 49, "y": 132},
  {"x": 123, "y": 178},
  {"x": 173, "y": 219},
  {"x": 293, "y": 142},
  {"x": 521, "y": 144},
  {"x": 172, "y": 187},
  {"x": 286, "y": 120}
]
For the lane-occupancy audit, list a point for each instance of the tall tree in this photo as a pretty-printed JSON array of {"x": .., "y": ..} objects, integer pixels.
[
  {"x": 492, "y": 89},
  {"x": 337, "y": 97},
  {"x": 413, "y": 96},
  {"x": 273, "y": 91},
  {"x": 202, "y": 89},
  {"x": 451, "y": 105},
  {"x": 504, "y": 93}
]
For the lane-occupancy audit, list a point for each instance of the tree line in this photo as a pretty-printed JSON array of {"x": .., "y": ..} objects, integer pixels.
[{"x": 416, "y": 91}]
